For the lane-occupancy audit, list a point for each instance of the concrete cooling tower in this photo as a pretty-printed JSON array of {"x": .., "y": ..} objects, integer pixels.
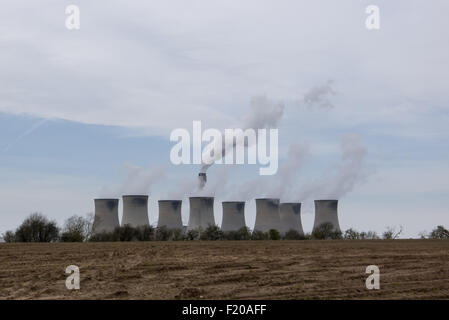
[
  {"x": 290, "y": 217},
  {"x": 106, "y": 215},
  {"x": 267, "y": 215},
  {"x": 233, "y": 215},
  {"x": 326, "y": 212},
  {"x": 135, "y": 210},
  {"x": 201, "y": 212},
  {"x": 170, "y": 214}
]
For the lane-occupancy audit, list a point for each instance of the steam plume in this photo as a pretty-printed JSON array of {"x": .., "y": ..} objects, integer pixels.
[
  {"x": 320, "y": 96},
  {"x": 263, "y": 113}
]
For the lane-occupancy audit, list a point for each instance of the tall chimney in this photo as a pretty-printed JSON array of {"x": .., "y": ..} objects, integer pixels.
[
  {"x": 170, "y": 214},
  {"x": 135, "y": 210},
  {"x": 202, "y": 179},
  {"x": 106, "y": 215},
  {"x": 201, "y": 212},
  {"x": 233, "y": 215},
  {"x": 267, "y": 214},
  {"x": 326, "y": 212},
  {"x": 290, "y": 216}
]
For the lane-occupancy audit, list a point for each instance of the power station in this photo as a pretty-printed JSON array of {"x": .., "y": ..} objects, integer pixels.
[
  {"x": 267, "y": 214},
  {"x": 135, "y": 210},
  {"x": 290, "y": 218},
  {"x": 326, "y": 212},
  {"x": 170, "y": 214},
  {"x": 270, "y": 214},
  {"x": 233, "y": 215},
  {"x": 106, "y": 215},
  {"x": 201, "y": 212}
]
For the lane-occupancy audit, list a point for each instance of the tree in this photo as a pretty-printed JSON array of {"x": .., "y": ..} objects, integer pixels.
[
  {"x": 163, "y": 234},
  {"x": 212, "y": 232},
  {"x": 352, "y": 234},
  {"x": 126, "y": 233},
  {"x": 371, "y": 235},
  {"x": 177, "y": 234},
  {"x": 293, "y": 235},
  {"x": 326, "y": 231},
  {"x": 259, "y": 235},
  {"x": 391, "y": 233},
  {"x": 192, "y": 234},
  {"x": 274, "y": 234},
  {"x": 9, "y": 236},
  {"x": 243, "y": 233},
  {"x": 145, "y": 233},
  {"x": 37, "y": 228},
  {"x": 439, "y": 233},
  {"x": 76, "y": 229}
]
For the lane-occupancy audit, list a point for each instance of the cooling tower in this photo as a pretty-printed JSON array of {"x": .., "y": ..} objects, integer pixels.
[
  {"x": 326, "y": 212},
  {"x": 170, "y": 214},
  {"x": 135, "y": 210},
  {"x": 106, "y": 215},
  {"x": 201, "y": 212},
  {"x": 267, "y": 215},
  {"x": 233, "y": 215},
  {"x": 290, "y": 217}
]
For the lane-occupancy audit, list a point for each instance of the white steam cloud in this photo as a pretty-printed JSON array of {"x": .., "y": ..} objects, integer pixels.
[
  {"x": 342, "y": 179},
  {"x": 263, "y": 113},
  {"x": 320, "y": 96},
  {"x": 138, "y": 181}
]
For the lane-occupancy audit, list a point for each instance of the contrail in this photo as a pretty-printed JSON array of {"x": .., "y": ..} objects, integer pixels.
[{"x": 24, "y": 134}]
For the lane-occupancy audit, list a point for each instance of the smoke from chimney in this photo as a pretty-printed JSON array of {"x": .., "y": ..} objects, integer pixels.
[
  {"x": 137, "y": 181},
  {"x": 263, "y": 113},
  {"x": 320, "y": 96}
]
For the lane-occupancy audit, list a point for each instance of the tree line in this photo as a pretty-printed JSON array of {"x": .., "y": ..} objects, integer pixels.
[{"x": 38, "y": 228}]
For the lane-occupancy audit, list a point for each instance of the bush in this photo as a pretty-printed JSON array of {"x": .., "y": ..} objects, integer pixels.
[
  {"x": 126, "y": 233},
  {"x": 352, "y": 234},
  {"x": 326, "y": 231},
  {"x": 37, "y": 228},
  {"x": 259, "y": 235},
  {"x": 438, "y": 233},
  {"x": 230, "y": 235},
  {"x": 293, "y": 235},
  {"x": 242, "y": 234},
  {"x": 193, "y": 234},
  {"x": 274, "y": 234},
  {"x": 9, "y": 236},
  {"x": 212, "y": 233},
  {"x": 370, "y": 235},
  {"x": 104, "y": 237},
  {"x": 163, "y": 234},
  {"x": 391, "y": 233},
  {"x": 177, "y": 235},
  {"x": 144, "y": 233}
]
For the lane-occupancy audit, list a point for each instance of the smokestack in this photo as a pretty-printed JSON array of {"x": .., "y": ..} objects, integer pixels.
[
  {"x": 202, "y": 179},
  {"x": 201, "y": 212},
  {"x": 233, "y": 215},
  {"x": 170, "y": 214},
  {"x": 106, "y": 215},
  {"x": 267, "y": 214},
  {"x": 135, "y": 210},
  {"x": 290, "y": 217},
  {"x": 326, "y": 212}
]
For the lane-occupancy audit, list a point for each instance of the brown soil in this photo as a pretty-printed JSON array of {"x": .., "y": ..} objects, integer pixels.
[{"x": 409, "y": 269}]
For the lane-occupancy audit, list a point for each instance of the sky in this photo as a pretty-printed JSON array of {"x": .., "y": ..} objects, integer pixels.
[{"x": 88, "y": 113}]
